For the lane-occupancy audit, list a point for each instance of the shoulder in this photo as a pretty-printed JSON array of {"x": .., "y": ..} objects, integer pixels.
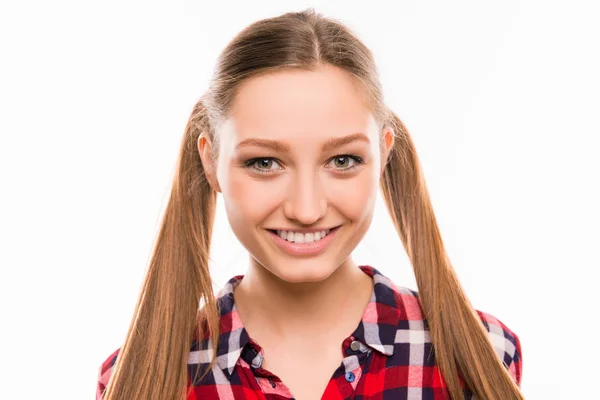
[
  {"x": 505, "y": 341},
  {"x": 105, "y": 372}
]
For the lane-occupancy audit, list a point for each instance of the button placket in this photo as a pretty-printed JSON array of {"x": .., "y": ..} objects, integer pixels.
[
  {"x": 353, "y": 369},
  {"x": 352, "y": 377}
]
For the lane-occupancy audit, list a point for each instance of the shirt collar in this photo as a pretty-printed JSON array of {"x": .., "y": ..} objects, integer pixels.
[{"x": 377, "y": 328}]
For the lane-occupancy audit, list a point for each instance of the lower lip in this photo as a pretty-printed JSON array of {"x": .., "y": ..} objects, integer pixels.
[{"x": 311, "y": 248}]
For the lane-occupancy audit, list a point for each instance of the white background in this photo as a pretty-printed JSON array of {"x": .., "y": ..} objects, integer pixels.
[{"x": 501, "y": 98}]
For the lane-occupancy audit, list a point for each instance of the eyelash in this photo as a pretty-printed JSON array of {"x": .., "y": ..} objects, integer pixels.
[{"x": 249, "y": 164}]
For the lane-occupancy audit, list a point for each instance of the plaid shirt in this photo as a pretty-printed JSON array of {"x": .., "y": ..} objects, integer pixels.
[{"x": 388, "y": 356}]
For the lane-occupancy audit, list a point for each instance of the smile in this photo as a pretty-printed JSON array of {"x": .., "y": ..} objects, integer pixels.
[
  {"x": 297, "y": 237},
  {"x": 297, "y": 243}
]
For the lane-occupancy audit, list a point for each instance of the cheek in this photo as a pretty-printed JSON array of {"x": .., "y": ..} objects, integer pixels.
[
  {"x": 250, "y": 200},
  {"x": 354, "y": 198}
]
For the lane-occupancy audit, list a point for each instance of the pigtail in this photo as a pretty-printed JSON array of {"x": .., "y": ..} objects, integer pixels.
[
  {"x": 152, "y": 363},
  {"x": 459, "y": 338}
]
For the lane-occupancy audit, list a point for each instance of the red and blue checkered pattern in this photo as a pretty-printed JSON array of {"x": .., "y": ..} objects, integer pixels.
[{"x": 392, "y": 356}]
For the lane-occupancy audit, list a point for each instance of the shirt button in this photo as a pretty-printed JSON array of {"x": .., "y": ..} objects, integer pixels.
[
  {"x": 350, "y": 376},
  {"x": 355, "y": 345}
]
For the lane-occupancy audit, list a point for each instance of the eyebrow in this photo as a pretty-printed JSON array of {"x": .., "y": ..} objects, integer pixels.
[{"x": 284, "y": 148}]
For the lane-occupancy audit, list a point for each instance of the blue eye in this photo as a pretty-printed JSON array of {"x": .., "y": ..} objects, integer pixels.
[{"x": 257, "y": 164}]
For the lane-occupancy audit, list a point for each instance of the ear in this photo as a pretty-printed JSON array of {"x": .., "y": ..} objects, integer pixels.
[
  {"x": 204, "y": 148},
  {"x": 388, "y": 136}
]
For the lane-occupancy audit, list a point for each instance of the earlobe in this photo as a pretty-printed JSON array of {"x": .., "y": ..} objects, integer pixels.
[{"x": 204, "y": 149}]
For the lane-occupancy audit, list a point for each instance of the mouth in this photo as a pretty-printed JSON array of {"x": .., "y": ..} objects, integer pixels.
[
  {"x": 300, "y": 244},
  {"x": 297, "y": 237}
]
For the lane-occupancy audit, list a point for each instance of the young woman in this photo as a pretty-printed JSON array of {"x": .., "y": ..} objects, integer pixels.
[{"x": 294, "y": 134}]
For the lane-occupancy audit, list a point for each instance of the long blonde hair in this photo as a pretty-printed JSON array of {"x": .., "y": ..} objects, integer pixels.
[{"x": 152, "y": 363}]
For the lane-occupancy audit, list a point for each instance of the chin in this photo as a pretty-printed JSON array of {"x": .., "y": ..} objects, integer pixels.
[{"x": 304, "y": 271}]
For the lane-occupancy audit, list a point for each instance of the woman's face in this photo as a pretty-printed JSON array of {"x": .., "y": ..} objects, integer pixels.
[{"x": 279, "y": 167}]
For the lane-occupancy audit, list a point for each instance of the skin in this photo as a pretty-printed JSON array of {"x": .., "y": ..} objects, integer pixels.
[{"x": 300, "y": 307}]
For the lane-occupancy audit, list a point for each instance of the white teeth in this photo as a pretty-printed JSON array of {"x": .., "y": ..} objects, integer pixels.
[{"x": 297, "y": 237}]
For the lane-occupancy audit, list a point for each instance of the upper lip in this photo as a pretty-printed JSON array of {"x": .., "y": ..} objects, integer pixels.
[{"x": 310, "y": 230}]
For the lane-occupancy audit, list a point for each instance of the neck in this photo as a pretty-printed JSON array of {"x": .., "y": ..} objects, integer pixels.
[{"x": 266, "y": 302}]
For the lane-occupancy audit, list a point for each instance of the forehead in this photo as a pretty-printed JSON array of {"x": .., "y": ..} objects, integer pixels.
[{"x": 326, "y": 102}]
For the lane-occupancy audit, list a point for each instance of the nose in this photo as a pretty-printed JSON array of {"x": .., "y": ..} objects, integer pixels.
[{"x": 306, "y": 200}]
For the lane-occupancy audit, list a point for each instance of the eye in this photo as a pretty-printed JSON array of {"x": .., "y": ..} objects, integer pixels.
[
  {"x": 346, "y": 161},
  {"x": 261, "y": 165}
]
